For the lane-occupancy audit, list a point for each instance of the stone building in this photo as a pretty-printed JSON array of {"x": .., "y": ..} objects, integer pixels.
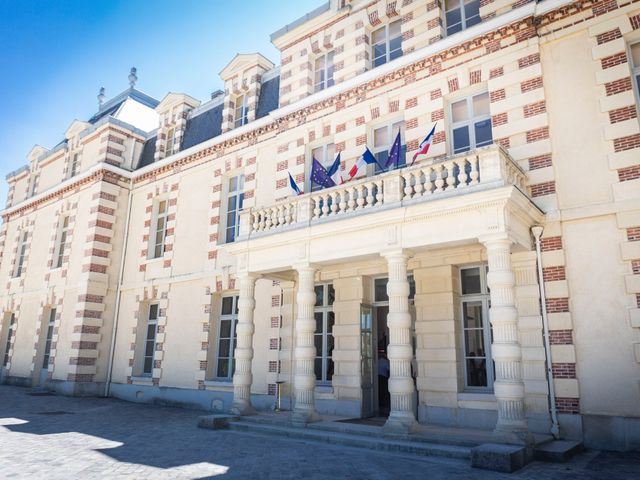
[{"x": 157, "y": 253}]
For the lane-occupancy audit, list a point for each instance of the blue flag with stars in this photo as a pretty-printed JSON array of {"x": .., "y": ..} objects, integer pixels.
[
  {"x": 319, "y": 175},
  {"x": 394, "y": 153}
]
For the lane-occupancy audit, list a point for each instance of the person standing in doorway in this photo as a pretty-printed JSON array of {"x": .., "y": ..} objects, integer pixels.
[{"x": 384, "y": 371}]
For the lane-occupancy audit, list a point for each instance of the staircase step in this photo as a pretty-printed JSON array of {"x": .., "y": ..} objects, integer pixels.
[
  {"x": 557, "y": 450},
  {"x": 352, "y": 440}
]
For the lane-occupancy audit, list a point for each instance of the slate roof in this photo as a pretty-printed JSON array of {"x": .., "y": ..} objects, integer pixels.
[
  {"x": 148, "y": 151},
  {"x": 114, "y": 104},
  {"x": 202, "y": 127},
  {"x": 269, "y": 97}
]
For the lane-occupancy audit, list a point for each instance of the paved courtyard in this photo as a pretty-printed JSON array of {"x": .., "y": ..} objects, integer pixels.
[{"x": 57, "y": 437}]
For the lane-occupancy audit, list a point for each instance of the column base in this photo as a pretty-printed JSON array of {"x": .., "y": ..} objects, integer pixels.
[
  {"x": 401, "y": 422},
  {"x": 303, "y": 417},
  {"x": 243, "y": 408}
]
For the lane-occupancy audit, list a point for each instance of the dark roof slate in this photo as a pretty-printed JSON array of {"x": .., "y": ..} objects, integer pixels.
[
  {"x": 269, "y": 97},
  {"x": 202, "y": 127},
  {"x": 148, "y": 152}
]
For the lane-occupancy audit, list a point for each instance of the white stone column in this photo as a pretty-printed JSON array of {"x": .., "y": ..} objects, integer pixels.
[
  {"x": 505, "y": 349},
  {"x": 400, "y": 352},
  {"x": 243, "y": 353},
  {"x": 305, "y": 351}
]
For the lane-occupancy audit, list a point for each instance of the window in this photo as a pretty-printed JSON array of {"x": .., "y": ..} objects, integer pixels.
[
  {"x": 235, "y": 199},
  {"x": 471, "y": 123},
  {"x": 386, "y": 43},
  {"x": 383, "y": 138},
  {"x": 75, "y": 165},
  {"x": 160, "y": 230},
  {"x": 241, "y": 110},
  {"x": 170, "y": 142},
  {"x": 323, "y": 337},
  {"x": 33, "y": 185},
  {"x": 477, "y": 335},
  {"x": 47, "y": 342},
  {"x": 61, "y": 242},
  {"x": 150, "y": 340},
  {"x": 325, "y": 154},
  {"x": 323, "y": 72},
  {"x": 461, "y": 14},
  {"x": 380, "y": 289},
  {"x": 635, "y": 64},
  {"x": 225, "y": 364},
  {"x": 10, "y": 332},
  {"x": 22, "y": 249}
]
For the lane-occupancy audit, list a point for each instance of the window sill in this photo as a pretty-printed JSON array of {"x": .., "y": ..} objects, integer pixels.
[
  {"x": 477, "y": 401},
  {"x": 142, "y": 380},
  {"x": 225, "y": 385},
  {"x": 324, "y": 392},
  {"x": 155, "y": 259}
]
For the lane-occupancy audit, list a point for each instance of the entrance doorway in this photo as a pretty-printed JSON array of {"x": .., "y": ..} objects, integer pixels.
[{"x": 48, "y": 332}]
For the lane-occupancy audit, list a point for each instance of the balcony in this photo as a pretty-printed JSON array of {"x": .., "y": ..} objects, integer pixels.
[{"x": 462, "y": 174}]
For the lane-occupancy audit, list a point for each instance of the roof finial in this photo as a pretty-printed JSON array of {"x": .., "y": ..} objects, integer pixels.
[
  {"x": 101, "y": 97},
  {"x": 133, "y": 78}
]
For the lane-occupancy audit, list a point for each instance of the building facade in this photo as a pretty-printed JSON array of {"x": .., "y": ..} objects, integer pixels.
[{"x": 157, "y": 254}]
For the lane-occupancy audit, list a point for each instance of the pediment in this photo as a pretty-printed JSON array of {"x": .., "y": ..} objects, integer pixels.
[
  {"x": 172, "y": 99},
  {"x": 75, "y": 128},
  {"x": 36, "y": 152},
  {"x": 243, "y": 61}
]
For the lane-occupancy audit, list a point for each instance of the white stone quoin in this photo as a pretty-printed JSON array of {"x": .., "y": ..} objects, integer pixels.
[
  {"x": 305, "y": 351},
  {"x": 400, "y": 352},
  {"x": 243, "y": 354}
]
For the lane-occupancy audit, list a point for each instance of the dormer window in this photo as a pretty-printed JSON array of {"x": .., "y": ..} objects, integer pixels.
[
  {"x": 75, "y": 165},
  {"x": 461, "y": 14},
  {"x": 170, "y": 141},
  {"x": 386, "y": 43},
  {"x": 241, "y": 111},
  {"x": 33, "y": 185},
  {"x": 323, "y": 72}
]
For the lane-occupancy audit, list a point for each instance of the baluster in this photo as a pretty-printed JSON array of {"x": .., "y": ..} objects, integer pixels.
[
  {"x": 419, "y": 186},
  {"x": 451, "y": 178},
  {"x": 274, "y": 216},
  {"x": 462, "y": 173},
  {"x": 256, "y": 221},
  {"x": 370, "y": 194},
  {"x": 439, "y": 178},
  {"x": 334, "y": 202},
  {"x": 316, "y": 207},
  {"x": 267, "y": 219},
  {"x": 408, "y": 187},
  {"x": 343, "y": 201},
  {"x": 280, "y": 215},
  {"x": 352, "y": 199},
  {"x": 360, "y": 197},
  {"x": 379, "y": 197},
  {"x": 473, "y": 174},
  {"x": 325, "y": 205}
]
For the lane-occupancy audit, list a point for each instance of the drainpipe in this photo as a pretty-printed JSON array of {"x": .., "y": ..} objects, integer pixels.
[
  {"x": 114, "y": 330},
  {"x": 555, "y": 427}
]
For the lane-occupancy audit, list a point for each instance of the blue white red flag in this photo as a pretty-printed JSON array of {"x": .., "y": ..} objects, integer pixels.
[
  {"x": 425, "y": 144},
  {"x": 365, "y": 159},
  {"x": 294, "y": 186},
  {"x": 394, "y": 153},
  {"x": 334, "y": 171},
  {"x": 319, "y": 175}
]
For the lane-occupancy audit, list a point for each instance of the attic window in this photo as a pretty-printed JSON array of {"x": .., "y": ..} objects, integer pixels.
[
  {"x": 170, "y": 142},
  {"x": 241, "y": 111}
]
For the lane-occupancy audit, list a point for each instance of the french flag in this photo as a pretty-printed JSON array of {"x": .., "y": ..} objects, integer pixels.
[
  {"x": 294, "y": 186},
  {"x": 365, "y": 159},
  {"x": 425, "y": 144},
  {"x": 334, "y": 171}
]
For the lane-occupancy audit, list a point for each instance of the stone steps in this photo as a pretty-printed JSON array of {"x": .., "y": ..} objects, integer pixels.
[{"x": 354, "y": 440}]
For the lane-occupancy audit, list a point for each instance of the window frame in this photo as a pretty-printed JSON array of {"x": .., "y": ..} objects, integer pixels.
[
  {"x": 32, "y": 188},
  {"x": 232, "y": 338},
  {"x": 327, "y": 71},
  {"x": 463, "y": 16},
  {"x": 325, "y": 310},
  {"x": 390, "y": 126},
  {"x": 387, "y": 44},
  {"x": 635, "y": 73},
  {"x": 483, "y": 298},
  {"x": 151, "y": 321},
  {"x": 61, "y": 240},
  {"x": 48, "y": 338},
  {"x": 240, "y": 112},
  {"x": 11, "y": 327},
  {"x": 170, "y": 142},
  {"x": 326, "y": 161},
  {"x": 158, "y": 216},
  {"x": 470, "y": 122},
  {"x": 74, "y": 164},
  {"x": 238, "y": 194},
  {"x": 22, "y": 247}
]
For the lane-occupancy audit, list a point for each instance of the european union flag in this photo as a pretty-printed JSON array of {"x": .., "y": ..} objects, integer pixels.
[
  {"x": 319, "y": 175},
  {"x": 394, "y": 153}
]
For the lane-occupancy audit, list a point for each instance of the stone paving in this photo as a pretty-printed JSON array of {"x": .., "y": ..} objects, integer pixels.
[{"x": 56, "y": 437}]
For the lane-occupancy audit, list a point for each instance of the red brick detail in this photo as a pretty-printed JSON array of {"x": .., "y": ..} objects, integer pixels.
[
  {"x": 273, "y": 366},
  {"x": 535, "y": 108},
  {"x": 537, "y": 134},
  {"x": 437, "y": 115},
  {"x": 552, "y": 274},
  {"x": 275, "y": 301},
  {"x": 563, "y": 370},
  {"x": 80, "y": 377},
  {"x": 557, "y": 305},
  {"x": 280, "y": 166},
  {"x": 496, "y": 72},
  {"x": 618, "y": 86},
  {"x": 561, "y": 337},
  {"x": 622, "y": 114},
  {"x": 504, "y": 142},
  {"x": 475, "y": 77},
  {"x": 89, "y": 298},
  {"x": 271, "y": 389},
  {"x": 281, "y": 183},
  {"x": 359, "y": 121},
  {"x": 499, "y": 119},
  {"x": 82, "y": 361},
  {"x": 394, "y": 106},
  {"x": 629, "y": 173},
  {"x": 453, "y": 84},
  {"x": 532, "y": 84},
  {"x": 635, "y": 22},
  {"x": 638, "y": 300},
  {"x": 635, "y": 267},
  {"x": 93, "y": 267},
  {"x": 545, "y": 188},
  {"x": 411, "y": 123},
  {"x": 411, "y": 102},
  {"x": 283, "y": 148},
  {"x": 532, "y": 59},
  {"x": 626, "y": 143},
  {"x": 604, "y": 6},
  {"x": 568, "y": 405},
  {"x": 439, "y": 137},
  {"x": 497, "y": 95},
  {"x": 608, "y": 36},
  {"x": 613, "y": 60},
  {"x": 83, "y": 345},
  {"x": 273, "y": 344},
  {"x": 437, "y": 93},
  {"x": 341, "y": 127},
  {"x": 361, "y": 140},
  {"x": 633, "y": 234},
  {"x": 540, "y": 161},
  {"x": 275, "y": 322}
]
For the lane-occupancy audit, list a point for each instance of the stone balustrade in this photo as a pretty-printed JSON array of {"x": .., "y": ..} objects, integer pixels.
[{"x": 481, "y": 168}]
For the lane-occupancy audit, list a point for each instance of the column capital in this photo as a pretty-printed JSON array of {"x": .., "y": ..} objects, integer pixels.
[
  {"x": 244, "y": 274},
  {"x": 305, "y": 267},
  {"x": 495, "y": 238},
  {"x": 396, "y": 252}
]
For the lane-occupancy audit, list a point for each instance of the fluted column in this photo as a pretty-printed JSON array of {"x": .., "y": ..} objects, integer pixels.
[
  {"x": 305, "y": 379},
  {"x": 505, "y": 348},
  {"x": 243, "y": 353},
  {"x": 399, "y": 351}
]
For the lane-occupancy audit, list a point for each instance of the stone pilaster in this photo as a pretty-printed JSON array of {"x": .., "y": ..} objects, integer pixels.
[
  {"x": 243, "y": 353},
  {"x": 305, "y": 380},
  {"x": 400, "y": 352},
  {"x": 506, "y": 350}
]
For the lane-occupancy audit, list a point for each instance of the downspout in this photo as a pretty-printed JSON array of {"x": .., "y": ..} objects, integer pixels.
[
  {"x": 114, "y": 330},
  {"x": 555, "y": 427}
]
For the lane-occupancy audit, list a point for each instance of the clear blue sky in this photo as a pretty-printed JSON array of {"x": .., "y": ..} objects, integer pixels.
[{"x": 56, "y": 54}]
